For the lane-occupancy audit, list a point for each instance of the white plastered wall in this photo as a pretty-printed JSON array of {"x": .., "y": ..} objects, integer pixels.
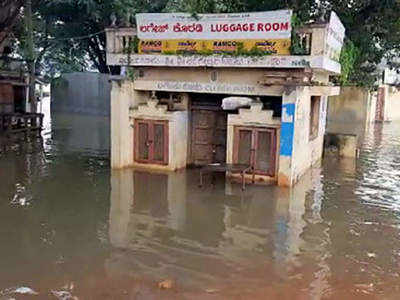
[
  {"x": 123, "y": 97},
  {"x": 285, "y": 172},
  {"x": 306, "y": 152},
  {"x": 177, "y": 133},
  {"x": 392, "y": 104}
]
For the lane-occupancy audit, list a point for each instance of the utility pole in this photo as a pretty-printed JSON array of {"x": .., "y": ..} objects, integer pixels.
[{"x": 30, "y": 54}]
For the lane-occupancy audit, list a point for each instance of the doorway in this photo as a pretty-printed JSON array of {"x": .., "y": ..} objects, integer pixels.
[
  {"x": 380, "y": 105},
  {"x": 256, "y": 147},
  {"x": 151, "y": 141},
  {"x": 208, "y": 136}
]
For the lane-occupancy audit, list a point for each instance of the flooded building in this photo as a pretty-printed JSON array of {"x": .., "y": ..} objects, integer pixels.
[
  {"x": 80, "y": 112},
  {"x": 13, "y": 86},
  {"x": 349, "y": 116},
  {"x": 195, "y": 98},
  {"x": 81, "y": 93},
  {"x": 15, "y": 109},
  {"x": 388, "y": 98}
]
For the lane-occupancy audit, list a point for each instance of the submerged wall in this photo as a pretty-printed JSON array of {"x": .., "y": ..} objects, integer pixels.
[
  {"x": 298, "y": 152},
  {"x": 84, "y": 93},
  {"x": 124, "y": 97},
  {"x": 6, "y": 98},
  {"x": 392, "y": 104},
  {"x": 351, "y": 111},
  {"x": 86, "y": 134}
]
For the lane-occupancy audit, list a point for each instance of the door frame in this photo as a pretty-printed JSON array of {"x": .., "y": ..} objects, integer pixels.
[
  {"x": 254, "y": 145},
  {"x": 150, "y": 127},
  {"x": 193, "y": 110},
  {"x": 380, "y": 105}
]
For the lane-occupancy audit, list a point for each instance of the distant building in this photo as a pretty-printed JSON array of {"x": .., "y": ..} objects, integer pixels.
[
  {"x": 15, "y": 110},
  {"x": 388, "y": 99},
  {"x": 13, "y": 86},
  {"x": 81, "y": 92}
]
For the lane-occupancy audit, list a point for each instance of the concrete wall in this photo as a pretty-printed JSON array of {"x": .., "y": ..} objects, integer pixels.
[
  {"x": 215, "y": 80},
  {"x": 306, "y": 152},
  {"x": 392, "y": 104},
  {"x": 6, "y": 98},
  {"x": 297, "y": 152},
  {"x": 351, "y": 111},
  {"x": 82, "y": 133},
  {"x": 85, "y": 93},
  {"x": 177, "y": 133},
  {"x": 126, "y": 106},
  {"x": 124, "y": 97}
]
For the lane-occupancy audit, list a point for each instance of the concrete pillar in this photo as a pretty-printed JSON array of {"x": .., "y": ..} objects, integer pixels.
[
  {"x": 387, "y": 102},
  {"x": 298, "y": 150},
  {"x": 285, "y": 170},
  {"x": 177, "y": 134},
  {"x": 123, "y": 97}
]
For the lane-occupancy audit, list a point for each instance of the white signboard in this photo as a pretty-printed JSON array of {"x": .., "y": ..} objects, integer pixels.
[
  {"x": 202, "y": 87},
  {"x": 258, "y": 25},
  {"x": 335, "y": 37},
  {"x": 391, "y": 77}
]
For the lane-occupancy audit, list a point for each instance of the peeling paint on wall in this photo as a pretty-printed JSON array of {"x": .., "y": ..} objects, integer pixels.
[
  {"x": 287, "y": 129},
  {"x": 322, "y": 117}
]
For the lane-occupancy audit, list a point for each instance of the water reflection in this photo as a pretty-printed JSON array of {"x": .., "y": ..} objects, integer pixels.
[
  {"x": 81, "y": 134},
  {"x": 319, "y": 240},
  {"x": 210, "y": 236},
  {"x": 53, "y": 221},
  {"x": 70, "y": 227}
]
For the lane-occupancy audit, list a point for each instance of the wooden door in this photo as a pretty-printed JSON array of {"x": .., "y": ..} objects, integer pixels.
[
  {"x": 256, "y": 147},
  {"x": 265, "y": 151},
  {"x": 380, "y": 105},
  {"x": 244, "y": 146},
  {"x": 219, "y": 138},
  {"x": 208, "y": 136},
  {"x": 151, "y": 141}
]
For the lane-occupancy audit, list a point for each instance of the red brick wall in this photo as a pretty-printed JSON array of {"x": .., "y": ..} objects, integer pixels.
[{"x": 6, "y": 93}]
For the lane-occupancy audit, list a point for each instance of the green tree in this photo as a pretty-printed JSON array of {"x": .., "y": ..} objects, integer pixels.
[
  {"x": 373, "y": 26},
  {"x": 69, "y": 34},
  {"x": 9, "y": 13}
]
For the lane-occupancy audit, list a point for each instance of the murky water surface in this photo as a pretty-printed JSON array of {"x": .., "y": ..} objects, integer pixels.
[{"x": 72, "y": 229}]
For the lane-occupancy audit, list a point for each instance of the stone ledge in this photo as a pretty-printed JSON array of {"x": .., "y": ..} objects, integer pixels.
[
  {"x": 289, "y": 61},
  {"x": 254, "y": 116}
]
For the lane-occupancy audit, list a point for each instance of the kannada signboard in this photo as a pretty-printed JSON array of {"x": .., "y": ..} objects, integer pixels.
[
  {"x": 334, "y": 38},
  {"x": 268, "y": 32},
  {"x": 391, "y": 77}
]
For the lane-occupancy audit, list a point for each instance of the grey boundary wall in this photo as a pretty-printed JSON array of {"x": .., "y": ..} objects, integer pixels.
[{"x": 83, "y": 93}]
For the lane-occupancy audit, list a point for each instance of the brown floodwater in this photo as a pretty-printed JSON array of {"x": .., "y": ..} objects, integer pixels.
[{"x": 72, "y": 229}]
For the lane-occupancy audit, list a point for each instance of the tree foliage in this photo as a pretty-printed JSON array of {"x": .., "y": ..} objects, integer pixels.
[
  {"x": 350, "y": 54},
  {"x": 373, "y": 27},
  {"x": 69, "y": 33},
  {"x": 9, "y": 13}
]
